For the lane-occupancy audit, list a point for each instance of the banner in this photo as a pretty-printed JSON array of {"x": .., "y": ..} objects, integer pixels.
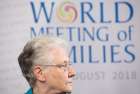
[{"x": 103, "y": 37}]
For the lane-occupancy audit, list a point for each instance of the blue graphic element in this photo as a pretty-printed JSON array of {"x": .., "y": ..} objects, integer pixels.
[
  {"x": 102, "y": 14},
  {"x": 87, "y": 12},
  {"x": 131, "y": 12},
  {"x": 42, "y": 7},
  {"x": 115, "y": 53},
  {"x": 131, "y": 55}
]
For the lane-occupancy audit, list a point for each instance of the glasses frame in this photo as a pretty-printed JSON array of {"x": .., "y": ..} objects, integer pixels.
[{"x": 65, "y": 67}]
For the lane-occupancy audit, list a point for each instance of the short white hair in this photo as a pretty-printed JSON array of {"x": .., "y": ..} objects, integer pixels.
[{"x": 34, "y": 50}]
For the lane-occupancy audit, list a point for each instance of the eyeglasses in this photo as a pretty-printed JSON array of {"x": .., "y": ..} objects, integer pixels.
[{"x": 64, "y": 67}]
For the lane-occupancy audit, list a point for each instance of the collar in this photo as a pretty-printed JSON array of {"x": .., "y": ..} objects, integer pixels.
[{"x": 29, "y": 91}]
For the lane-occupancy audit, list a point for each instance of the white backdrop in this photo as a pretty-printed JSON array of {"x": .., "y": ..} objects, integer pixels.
[{"x": 103, "y": 35}]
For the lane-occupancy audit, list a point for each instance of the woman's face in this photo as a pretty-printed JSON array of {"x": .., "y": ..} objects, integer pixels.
[{"x": 60, "y": 77}]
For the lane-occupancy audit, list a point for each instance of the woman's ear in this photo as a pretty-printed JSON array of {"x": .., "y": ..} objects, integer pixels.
[{"x": 38, "y": 72}]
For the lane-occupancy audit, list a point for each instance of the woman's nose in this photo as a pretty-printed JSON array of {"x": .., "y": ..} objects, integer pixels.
[{"x": 71, "y": 72}]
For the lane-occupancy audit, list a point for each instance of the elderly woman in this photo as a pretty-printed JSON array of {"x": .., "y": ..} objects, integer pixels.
[{"x": 45, "y": 63}]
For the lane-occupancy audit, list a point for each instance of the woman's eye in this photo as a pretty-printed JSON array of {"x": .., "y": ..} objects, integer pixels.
[{"x": 61, "y": 66}]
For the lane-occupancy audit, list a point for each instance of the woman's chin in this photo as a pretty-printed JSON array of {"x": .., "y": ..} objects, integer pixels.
[{"x": 68, "y": 88}]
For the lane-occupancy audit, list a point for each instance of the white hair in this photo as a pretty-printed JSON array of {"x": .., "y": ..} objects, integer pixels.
[{"x": 33, "y": 54}]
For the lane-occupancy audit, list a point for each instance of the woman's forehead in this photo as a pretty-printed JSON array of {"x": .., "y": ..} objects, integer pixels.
[
  {"x": 63, "y": 61},
  {"x": 56, "y": 55}
]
